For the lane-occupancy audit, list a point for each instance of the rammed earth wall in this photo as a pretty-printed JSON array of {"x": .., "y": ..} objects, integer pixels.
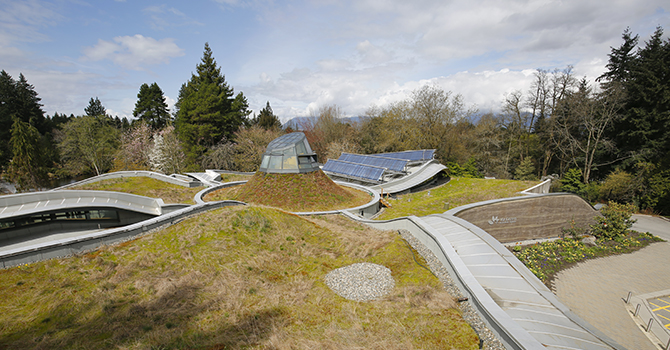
[{"x": 525, "y": 218}]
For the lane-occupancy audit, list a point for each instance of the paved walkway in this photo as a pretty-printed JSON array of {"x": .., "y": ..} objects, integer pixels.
[
  {"x": 527, "y": 305},
  {"x": 593, "y": 289}
]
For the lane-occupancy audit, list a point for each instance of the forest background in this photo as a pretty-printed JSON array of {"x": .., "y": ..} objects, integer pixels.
[{"x": 607, "y": 139}]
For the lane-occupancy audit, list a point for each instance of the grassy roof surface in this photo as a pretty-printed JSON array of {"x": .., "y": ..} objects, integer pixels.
[
  {"x": 145, "y": 186},
  {"x": 456, "y": 192},
  {"x": 243, "y": 277},
  {"x": 312, "y": 191}
]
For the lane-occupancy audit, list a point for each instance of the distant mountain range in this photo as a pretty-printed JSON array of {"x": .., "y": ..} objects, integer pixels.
[{"x": 298, "y": 123}]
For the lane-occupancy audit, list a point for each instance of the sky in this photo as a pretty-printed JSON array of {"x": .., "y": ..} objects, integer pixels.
[{"x": 303, "y": 55}]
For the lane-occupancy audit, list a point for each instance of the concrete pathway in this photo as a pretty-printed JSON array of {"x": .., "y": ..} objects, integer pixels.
[
  {"x": 526, "y": 301},
  {"x": 656, "y": 225},
  {"x": 594, "y": 289}
]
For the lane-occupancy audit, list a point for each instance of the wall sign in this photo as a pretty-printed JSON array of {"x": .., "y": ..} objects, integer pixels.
[{"x": 497, "y": 220}]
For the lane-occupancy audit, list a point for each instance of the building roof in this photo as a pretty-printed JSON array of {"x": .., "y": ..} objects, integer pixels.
[{"x": 289, "y": 153}]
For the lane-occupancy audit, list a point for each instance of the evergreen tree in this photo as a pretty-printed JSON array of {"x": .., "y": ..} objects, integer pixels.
[
  {"x": 18, "y": 99},
  {"x": 266, "y": 118},
  {"x": 644, "y": 129},
  {"x": 95, "y": 108},
  {"x": 151, "y": 107},
  {"x": 207, "y": 112},
  {"x": 621, "y": 60},
  {"x": 25, "y": 167}
]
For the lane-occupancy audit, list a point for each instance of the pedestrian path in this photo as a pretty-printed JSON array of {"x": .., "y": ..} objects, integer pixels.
[
  {"x": 513, "y": 288},
  {"x": 593, "y": 289}
]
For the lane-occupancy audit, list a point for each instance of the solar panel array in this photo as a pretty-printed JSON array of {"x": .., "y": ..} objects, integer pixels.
[
  {"x": 412, "y": 156},
  {"x": 373, "y": 160},
  {"x": 354, "y": 170},
  {"x": 373, "y": 166}
]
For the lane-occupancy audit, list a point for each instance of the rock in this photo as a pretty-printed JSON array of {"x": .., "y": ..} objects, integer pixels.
[{"x": 589, "y": 241}]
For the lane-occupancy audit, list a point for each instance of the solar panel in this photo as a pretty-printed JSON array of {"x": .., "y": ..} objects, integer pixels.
[
  {"x": 355, "y": 170},
  {"x": 388, "y": 163},
  {"x": 412, "y": 156}
]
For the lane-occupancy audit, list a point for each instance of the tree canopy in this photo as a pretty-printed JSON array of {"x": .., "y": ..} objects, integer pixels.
[
  {"x": 644, "y": 76},
  {"x": 95, "y": 108},
  {"x": 151, "y": 107},
  {"x": 18, "y": 99},
  {"x": 207, "y": 109},
  {"x": 266, "y": 119}
]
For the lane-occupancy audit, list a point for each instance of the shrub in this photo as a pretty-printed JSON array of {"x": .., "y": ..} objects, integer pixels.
[
  {"x": 615, "y": 222},
  {"x": 575, "y": 231},
  {"x": 525, "y": 170},
  {"x": 469, "y": 169},
  {"x": 590, "y": 192},
  {"x": 619, "y": 186},
  {"x": 572, "y": 181}
]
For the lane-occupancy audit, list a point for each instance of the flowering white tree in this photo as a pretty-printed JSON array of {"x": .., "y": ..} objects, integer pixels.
[
  {"x": 166, "y": 155},
  {"x": 136, "y": 145}
]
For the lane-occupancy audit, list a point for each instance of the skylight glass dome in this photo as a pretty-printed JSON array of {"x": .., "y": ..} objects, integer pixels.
[{"x": 289, "y": 153}]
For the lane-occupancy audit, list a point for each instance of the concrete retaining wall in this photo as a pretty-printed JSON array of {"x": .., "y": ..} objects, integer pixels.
[{"x": 526, "y": 218}]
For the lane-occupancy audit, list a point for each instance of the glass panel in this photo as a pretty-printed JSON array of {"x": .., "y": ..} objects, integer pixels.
[
  {"x": 300, "y": 147},
  {"x": 290, "y": 162},
  {"x": 309, "y": 150},
  {"x": 275, "y": 162},
  {"x": 264, "y": 163},
  {"x": 103, "y": 214},
  {"x": 289, "y": 152}
]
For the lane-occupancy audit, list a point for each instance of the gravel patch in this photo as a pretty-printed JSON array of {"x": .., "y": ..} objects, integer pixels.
[
  {"x": 361, "y": 281},
  {"x": 487, "y": 338}
]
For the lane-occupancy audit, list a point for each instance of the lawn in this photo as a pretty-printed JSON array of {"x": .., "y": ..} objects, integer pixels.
[
  {"x": 243, "y": 277},
  {"x": 145, "y": 186},
  {"x": 457, "y": 192}
]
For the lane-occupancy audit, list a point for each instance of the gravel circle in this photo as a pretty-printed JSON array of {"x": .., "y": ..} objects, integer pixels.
[{"x": 361, "y": 281}]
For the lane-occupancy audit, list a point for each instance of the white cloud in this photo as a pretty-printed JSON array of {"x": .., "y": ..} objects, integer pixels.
[
  {"x": 20, "y": 21},
  {"x": 162, "y": 17},
  {"x": 374, "y": 52},
  {"x": 134, "y": 52}
]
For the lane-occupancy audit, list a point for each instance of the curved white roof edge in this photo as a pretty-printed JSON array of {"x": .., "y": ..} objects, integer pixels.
[
  {"x": 421, "y": 175},
  {"x": 511, "y": 332},
  {"x": 37, "y": 202},
  {"x": 88, "y": 241},
  {"x": 173, "y": 179},
  {"x": 541, "y": 188}
]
